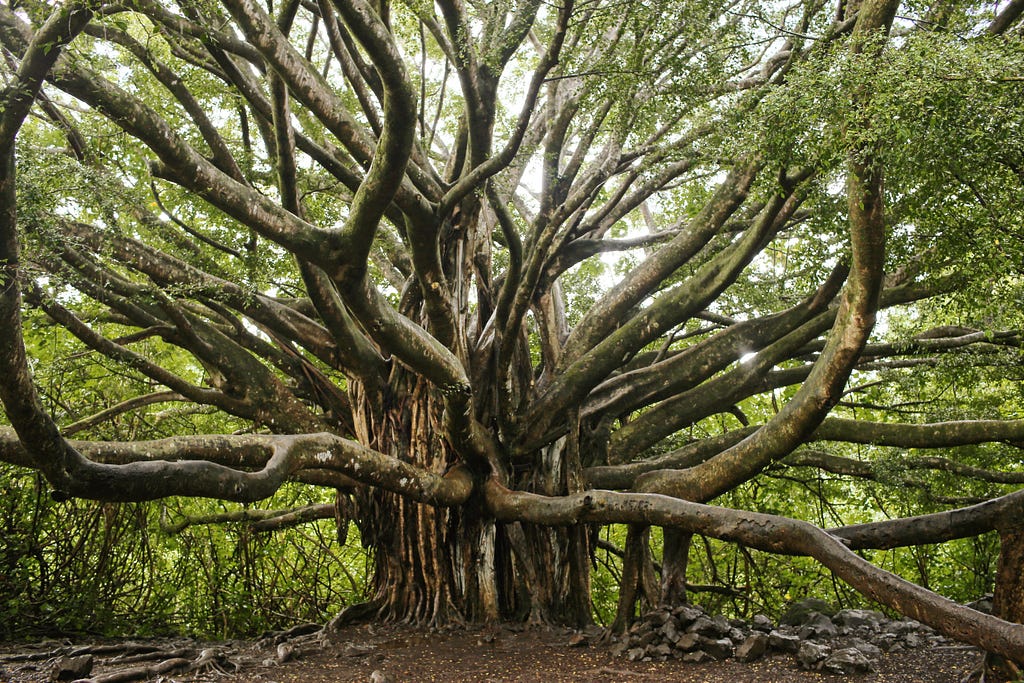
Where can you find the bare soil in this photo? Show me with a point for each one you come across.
(501, 653)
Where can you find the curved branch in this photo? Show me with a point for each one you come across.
(41, 54)
(602, 318)
(258, 520)
(671, 308)
(769, 533)
(241, 468)
(18, 394)
(472, 180)
(854, 322)
(689, 367)
(395, 144)
(753, 376)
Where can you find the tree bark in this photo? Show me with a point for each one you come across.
(432, 565)
(438, 565)
(675, 559)
(1008, 599)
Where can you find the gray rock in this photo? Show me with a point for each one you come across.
(661, 651)
(783, 642)
(71, 668)
(718, 649)
(285, 652)
(711, 628)
(902, 627)
(870, 650)
(982, 604)
(799, 612)
(846, 661)
(687, 642)
(885, 640)
(737, 635)
(754, 647)
(670, 630)
(379, 676)
(643, 639)
(818, 626)
(913, 640)
(687, 613)
(658, 617)
(838, 642)
(810, 654)
(858, 618)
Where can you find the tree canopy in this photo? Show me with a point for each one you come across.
(499, 273)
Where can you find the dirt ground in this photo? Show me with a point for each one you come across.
(392, 654)
(500, 654)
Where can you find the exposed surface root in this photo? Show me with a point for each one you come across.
(130, 661)
(993, 669)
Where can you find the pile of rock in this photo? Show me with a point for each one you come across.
(843, 642)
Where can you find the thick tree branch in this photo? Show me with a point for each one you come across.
(236, 468)
(769, 533)
(21, 402)
(855, 320)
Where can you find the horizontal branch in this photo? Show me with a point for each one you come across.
(241, 468)
(259, 520)
(933, 435)
(867, 469)
(770, 533)
(939, 527)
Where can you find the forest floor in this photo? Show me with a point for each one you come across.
(533, 655)
(393, 654)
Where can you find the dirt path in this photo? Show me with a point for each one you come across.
(500, 654)
(393, 654)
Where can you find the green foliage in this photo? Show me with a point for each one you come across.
(941, 109)
(109, 569)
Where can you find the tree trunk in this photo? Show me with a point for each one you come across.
(675, 558)
(432, 565)
(435, 565)
(1008, 600)
(638, 583)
